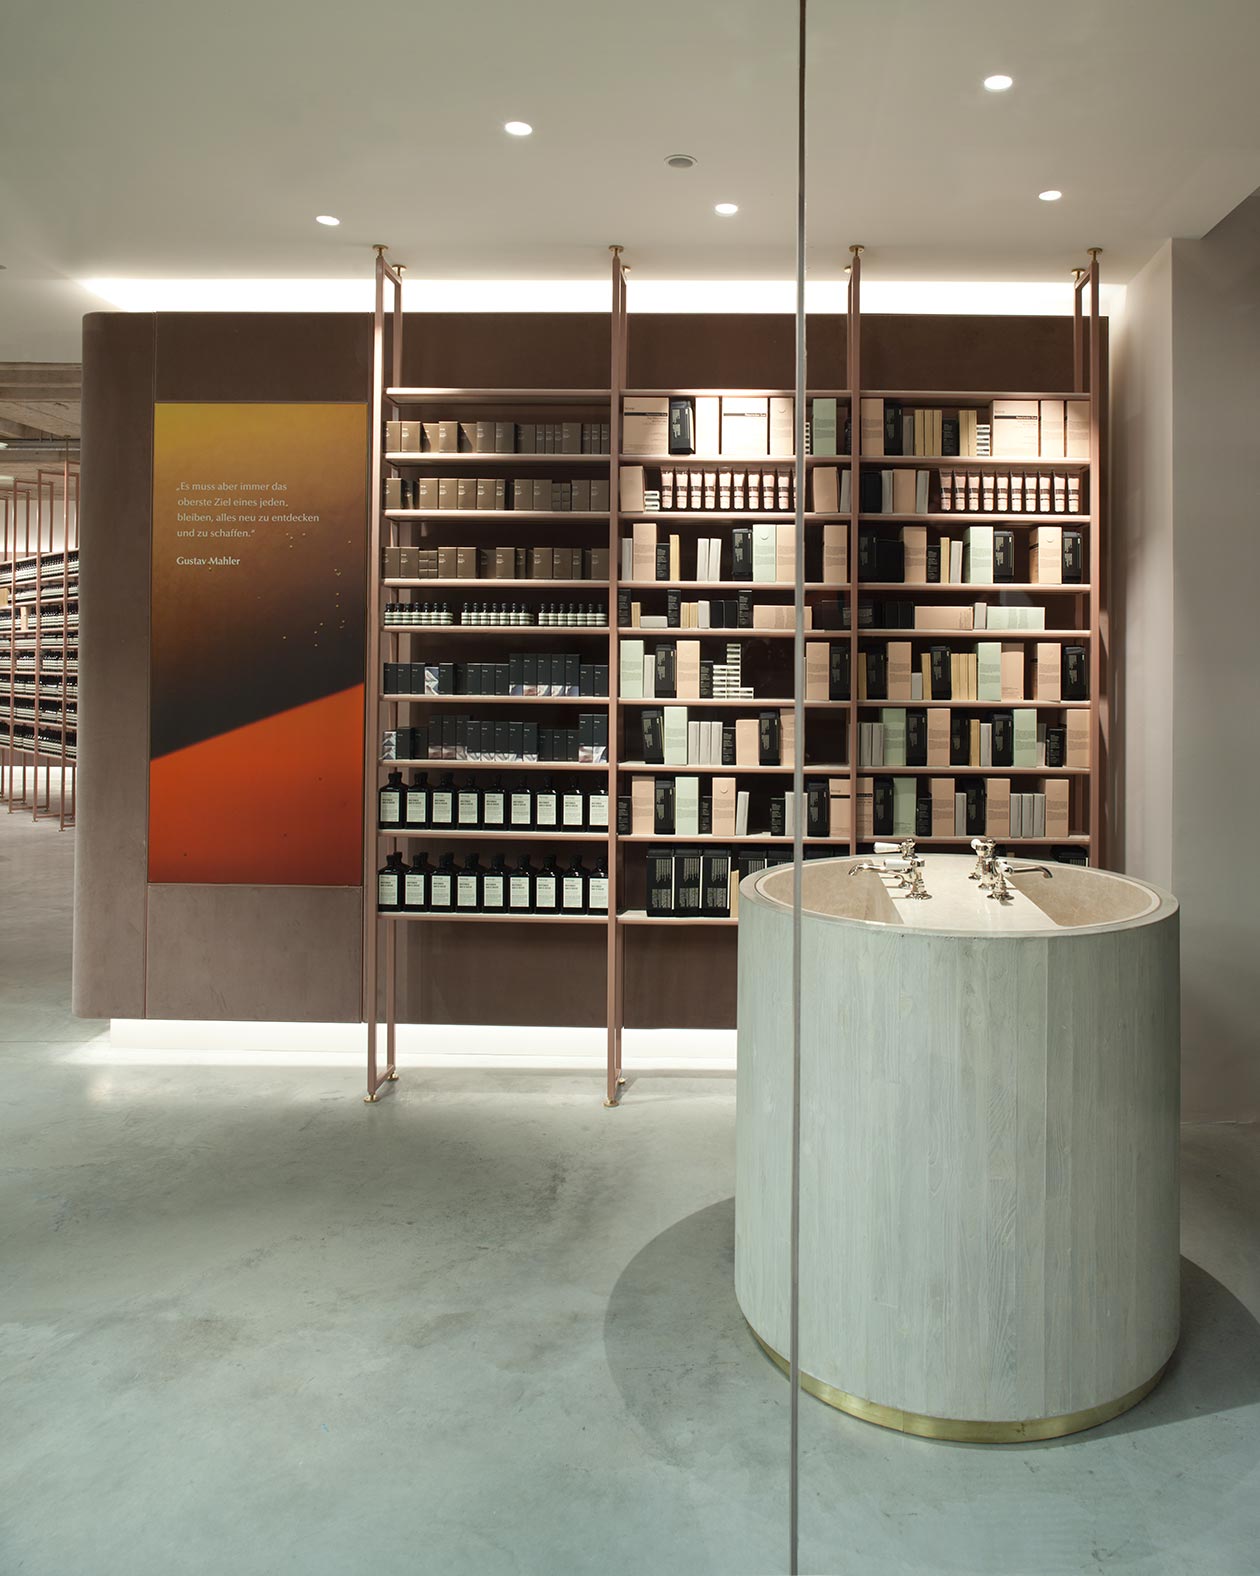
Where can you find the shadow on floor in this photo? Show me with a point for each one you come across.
(684, 1359)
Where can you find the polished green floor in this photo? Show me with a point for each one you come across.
(248, 1324)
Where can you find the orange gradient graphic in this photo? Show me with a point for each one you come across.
(267, 804)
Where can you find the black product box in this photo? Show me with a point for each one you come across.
(1003, 750)
(502, 678)
(960, 739)
(742, 552)
(941, 673)
(662, 560)
(450, 737)
(416, 681)
(393, 682)
(463, 727)
(623, 609)
(768, 738)
(601, 678)
(715, 883)
(923, 817)
(728, 744)
(468, 679)
(1056, 745)
(818, 809)
(975, 792)
(601, 736)
(660, 881)
(744, 619)
(706, 816)
(916, 738)
(666, 670)
(673, 609)
(586, 736)
(446, 679)
(838, 671)
(572, 674)
(778, 816)
(558, 674)
(586, 680)
(529, 673)
(706, 679)
(653, 725)
(502, 741)
(877, 673)
(625, 815)
(871, 492)
(1075, 674)
(934, 563)
(663, 807)
(529, 741)
(882, 806)
(516, 675)
(1003, 556)
(1073, 557)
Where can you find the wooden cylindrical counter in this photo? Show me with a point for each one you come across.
(989, 1127)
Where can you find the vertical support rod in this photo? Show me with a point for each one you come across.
(614, 938)
(1078, 333)
(798, 796)
(372, 664)
(854, 374)
(1097, 742)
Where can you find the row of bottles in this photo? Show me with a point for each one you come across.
(498, 615)
(472, 888)
(477, 805)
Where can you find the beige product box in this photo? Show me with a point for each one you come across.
(938, 735)
(504, 563)
(483, 437)
(708, 424)
(776, 615)
(485, 492)
(817, 670)
(782, 414)
(841, 808)
(393, 571)
(997, 807)
(1049, 675)
(724, 800)
(687, 670)
(409, 437)
(1056, 792)
(787, 734)
(596, 563)
(835, 564)
(872, 427)
(1078, 737)
(643, 561)
(826, 489)
(943, 806)
(571, 435)
(431, 437)
(504, 437)
(746, 741)
(393, 437)
(540, 564)
(914, 539)
(642, 806)
(448, 492)
(645, 424)
(1076, 430)
(1053, 429)
(468, 437)
(1012, 670)
(904, 486)
(448, 563)
(865, 807)
(949, 617)
(899, 670)
(631, 489)
(580, 494)
(540, 492)
(745, 426)
(785, 553)
(393, 500)
(466, 492)
(1045, 555)
(466, 563)
(1015, 430)
(447, 437)
(599, 497)
(418, 563)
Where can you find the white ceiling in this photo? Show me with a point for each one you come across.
(200, 139)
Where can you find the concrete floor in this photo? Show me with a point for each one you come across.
(249, 1324)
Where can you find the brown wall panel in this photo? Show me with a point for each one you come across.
(263, 356)
(110, 852)
(275, 954)
(567, 350)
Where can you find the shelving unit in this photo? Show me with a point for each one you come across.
(39, 643)
(1077, 612)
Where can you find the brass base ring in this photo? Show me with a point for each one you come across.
(968, 1431)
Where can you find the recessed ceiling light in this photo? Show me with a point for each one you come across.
(326, 218)
(1050, 196)
(518, 128)
(680, 161)
(999, 83)
(726, 209)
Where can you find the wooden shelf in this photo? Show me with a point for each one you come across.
(505, 768)
(466, 457)
(456, 918)
(500, 700)
(453, 396)
(986, 705)
(731, 585)
(1075, 838)
(524, 515)
(715, 516)
(485, 581)
(744, 840)
(734, 771)
(499, 834)
(735, 393)
(973, 771)
(975, 634)
(753, 703)
(676, 633)
(1038, 586)
(530, 631)
(711, 461)
(636, 916)
(959, 397)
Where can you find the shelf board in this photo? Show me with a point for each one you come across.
(485, 581)
(636, 916)
(530, 631)
(1056, 588)
(959, 396)
(712, 461)
(985, 705)
(973, 771)
(960, 517)
(499, 700)
(731, 585)
(455, 918)
(737, 393)
(717, 839)
(753, 703)
(692, 633)
(505, 768)
(465, 457)
(733, 771)
(713, 516)
(1078, 838)
(966, 462)
(975, 634)
(438, 515)
(401, 395)
(500, 834)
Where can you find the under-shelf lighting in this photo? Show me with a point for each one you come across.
(999, 83)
